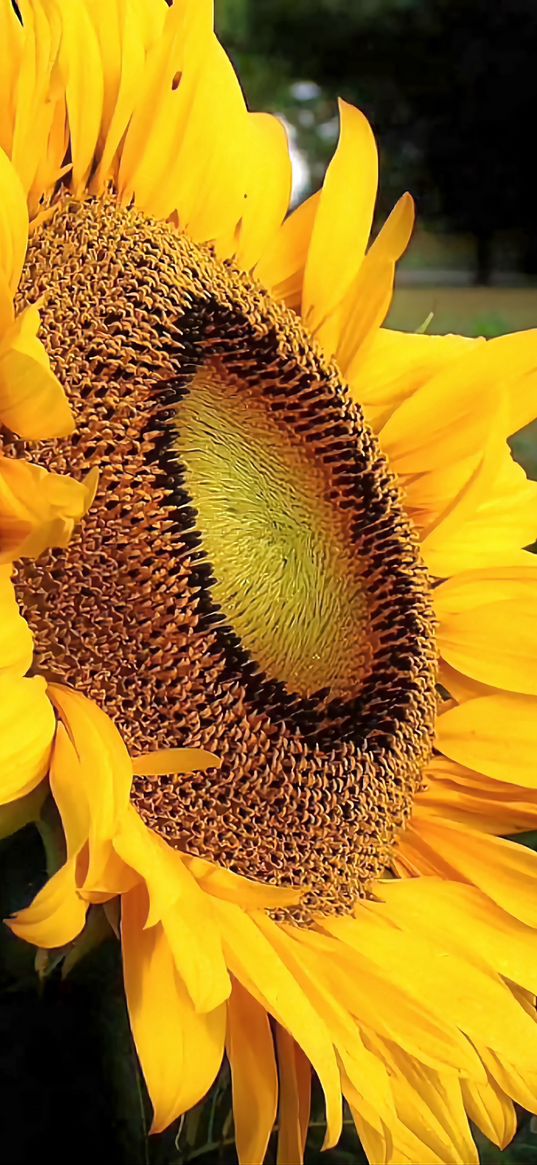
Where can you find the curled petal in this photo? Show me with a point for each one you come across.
(32, 401)
(56, 916)
(254, 1076)
(16, 643)
(27, 727)
(39, 509)
(180, 1051)
(343, 219)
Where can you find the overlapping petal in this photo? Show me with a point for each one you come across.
(32, 402)
(339, 239)
(254, 1076)
(39, 509)
(26, 734)
(487, 627)
(180, 1050)
(16, 644)
(494, 735)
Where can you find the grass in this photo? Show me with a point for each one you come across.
(471, 311)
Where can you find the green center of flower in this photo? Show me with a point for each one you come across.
(286, 575)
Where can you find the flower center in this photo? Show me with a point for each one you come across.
(287, 578)
(246, 580)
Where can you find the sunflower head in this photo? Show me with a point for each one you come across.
(246, 580)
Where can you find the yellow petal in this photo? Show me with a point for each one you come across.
(393, 365)
(254, 962)
(376, 1145)
(38, 509)
(125, 37)
(100, 874)
(13, 223)
(163, 869)
(488, 627)
(254, 1079)
(504, 870)
(12, 38)
(475, 927)
(195, 942)
(311, 959)
(16, 643)
(185, 148)
(522, 1086)
(343, 219)
(32, 401)
(208, 185)
(517, 353)
(494, 808)
(471, 999)
(269, 189)
(112, 876)
(295, 1099)
(491, 1110)
(29, 97)
(163, 100)
(387, 1004)
(180, 1051)
(461, 687)
(56, 915)
(82, 71)
(494, 584)
(26, 731)
(41, 137)
(67, 787)
(368, 300)
(234, 888)
(441, 423)
(495, 735)
(441, 768)
(413, 856)
(430, 1107)
(431, 495)
(488, 522)
(7, 311)
(166, 761)
(409, 1148)
(440, 528)
(281, 268)
(105, 768)
(445, 408)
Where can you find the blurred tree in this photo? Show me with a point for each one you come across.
(450, 86)
(469, 86)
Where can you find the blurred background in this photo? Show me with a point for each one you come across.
(450, 87)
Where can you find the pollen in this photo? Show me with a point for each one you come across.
(246, 580)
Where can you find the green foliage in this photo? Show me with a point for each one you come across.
(488, 325)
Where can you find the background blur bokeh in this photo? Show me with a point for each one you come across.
(450, 87)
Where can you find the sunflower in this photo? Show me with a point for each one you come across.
(268, 628)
